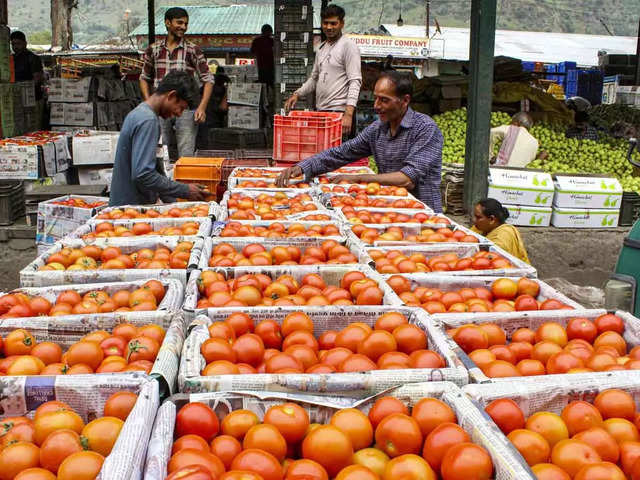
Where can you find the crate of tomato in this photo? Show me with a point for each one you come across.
(171, 227)
(60, 216)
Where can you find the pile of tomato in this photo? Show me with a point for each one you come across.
(279, 230)
(238, 346)
(395, 261)
(260, 173)
(78, 203)
(504, 295)
(268, 206)
(427, 235)
(580, 346)
(368, 188)
(92, 257)
(391, 442)
(261, 290)
(70, 302)
(201, 210)
(108, 230)
(369, 217)
(324, 179)
(364, 200)
(126, 348)
(587, 441)
(255, 254)
(57, 443)
(263, 184)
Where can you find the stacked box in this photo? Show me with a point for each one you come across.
(5, 53)
(38, 155)
(527, 194)
(586, 202)
(94, 148)
(246, 101)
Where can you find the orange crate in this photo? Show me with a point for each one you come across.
(212, 186)
(193, 168)
(302, 134)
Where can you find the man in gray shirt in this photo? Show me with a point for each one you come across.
(138, 176)
(336, 76)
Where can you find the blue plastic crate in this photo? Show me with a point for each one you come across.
(550, 68)
(563, 67)
(572, 75)
(571, 89)
(528, 66)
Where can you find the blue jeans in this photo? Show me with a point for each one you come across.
(182, 131)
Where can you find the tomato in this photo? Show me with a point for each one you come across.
(410, 338)
(249, 348)
(192, 472)
(549, 471)
(190, 441)
(533, 447)
(26, 365)
(306, 469)
(52, 421)
(226, 448)
(238, 423)
(241, 323)
(19, 342)
(113, 346)
(609, 322)
(581, 328)
(579, 416)
(506, 414)
(88, 353)
(296, 321)
(356, 425)
(142, 348)
(290, 419)
(438, 442)
(431, 412)
(356, 472)
(58, 446)
(466, 461)
(260, 462)
(189, 456)
(390, 320)
(17, 457)
(198, 419)
(410, 467)
(155, 332)
(266, 438)
(269, 332)
(329, 447)
(602, 441)
(572, 455)
(600, 471)
(385, 406)
(615, 403)
(35, 474)
(398, 434)
(102, 434)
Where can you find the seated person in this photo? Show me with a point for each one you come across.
(489, 220)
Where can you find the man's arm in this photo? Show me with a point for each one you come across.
(202, 67)
(147, 74)
(143, 165)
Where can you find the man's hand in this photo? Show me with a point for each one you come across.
(200, 115)
(543, 155)
(347, 178)
(291, 102)
(197, 193)
(283, 179)
(347, 124)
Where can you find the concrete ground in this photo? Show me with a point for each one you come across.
(583, 257)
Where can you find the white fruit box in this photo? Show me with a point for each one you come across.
(93, 176)
(587, 192)
(527, 216)
(584, 218)
(96, 148)
(245, 93)
(521, 187)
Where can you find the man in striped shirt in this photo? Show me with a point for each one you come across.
(175, 53)
(407, 146)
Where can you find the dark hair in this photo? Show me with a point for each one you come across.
(493, 208)
(266, 28)
(182, 83)
(175, 12)
(333, 11)
(18, 35)
(402, 82)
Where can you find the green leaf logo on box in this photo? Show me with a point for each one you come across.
(532, 220)
(536, 182)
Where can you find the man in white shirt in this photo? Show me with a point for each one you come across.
(519, 147)
(336, 76)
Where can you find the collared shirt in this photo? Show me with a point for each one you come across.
(185, 57)
(415, 150)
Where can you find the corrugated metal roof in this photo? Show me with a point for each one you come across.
(547, 47)
(223, 20)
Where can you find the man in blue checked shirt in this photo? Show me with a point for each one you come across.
(407, 146)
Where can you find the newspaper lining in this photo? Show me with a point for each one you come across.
(156, 224)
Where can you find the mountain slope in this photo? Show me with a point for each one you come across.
(98, 20)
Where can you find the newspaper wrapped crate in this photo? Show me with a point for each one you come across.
(290, 193)
(415, 229)
(520, 268)
(31, 276)
(87, 395)
(327, 197)
(320, 409)
(331, 274)
(215, 213)
(329, 318)
(513, 320)
(549, 394)
(204, 226)
(437, 220)
(57, 221)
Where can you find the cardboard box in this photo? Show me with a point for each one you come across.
(584, 218)
(587, 192)
(70, 90)
(244, 117)
(98, 148)
(95, 176)
(526, 216)
(245, 94)
(30, 162)
(521, 187)
(95, 114)
(57, 221)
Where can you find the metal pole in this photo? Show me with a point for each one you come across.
(637, 82)
(428, 16)
(151, 14)
(481, 50)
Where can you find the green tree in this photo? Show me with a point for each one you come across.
(42, 37)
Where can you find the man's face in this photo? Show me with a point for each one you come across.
(387, 105)
(177, 27)
(332, 27)
(172, 106)
(18, 46)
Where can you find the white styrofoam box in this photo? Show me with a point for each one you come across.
(587, 192)
(245, 93)
(521, 187)
(244, 117)
(584, 218)
(70, 90)
(628, 95)
(95, 176)
(97, 148)
(527, 216)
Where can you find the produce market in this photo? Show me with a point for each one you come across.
(310, 252)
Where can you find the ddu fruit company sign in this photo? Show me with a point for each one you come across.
(399, 47)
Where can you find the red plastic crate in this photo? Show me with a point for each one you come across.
(302, 134)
